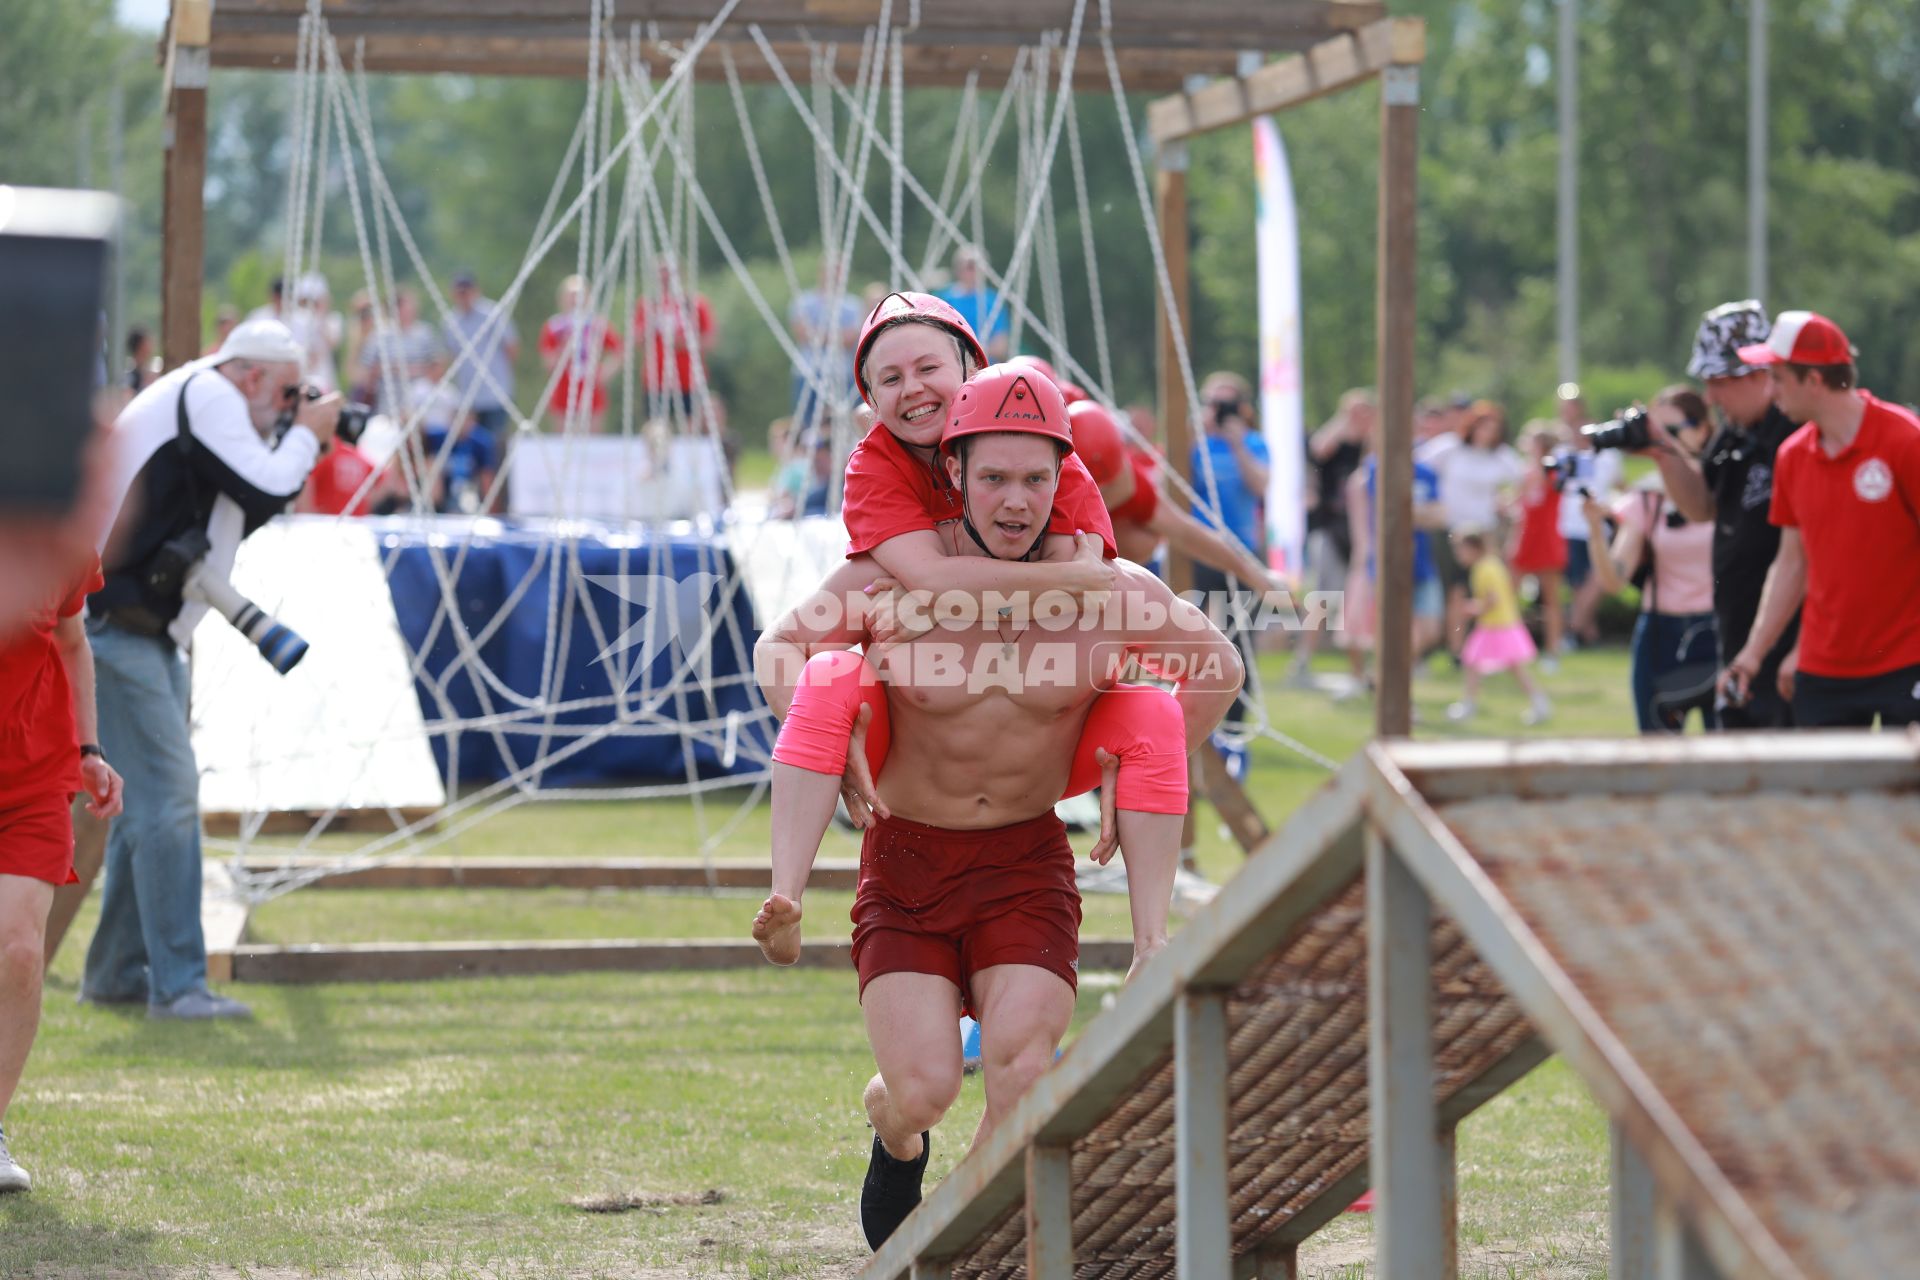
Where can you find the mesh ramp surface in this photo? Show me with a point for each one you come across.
(1298, 1122)
(1758, 958)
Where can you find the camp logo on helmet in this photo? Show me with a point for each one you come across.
(1020, 404)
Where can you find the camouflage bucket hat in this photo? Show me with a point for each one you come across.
(1723, 331)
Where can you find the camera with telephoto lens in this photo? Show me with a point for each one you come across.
(178, 571)
(1629, 431)
(1226, 409)
(347, 428)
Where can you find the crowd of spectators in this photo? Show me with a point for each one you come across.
(1776, 494)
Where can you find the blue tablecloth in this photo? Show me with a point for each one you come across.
(674, 592)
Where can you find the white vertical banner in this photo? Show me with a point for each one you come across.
(1281, 410)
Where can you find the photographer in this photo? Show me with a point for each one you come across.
(1731, 484)
(199, 460)
(1846, 496)
(1236, 453)
(1670, 559)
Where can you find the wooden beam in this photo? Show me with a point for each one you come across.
(1143, 70)
(1222, 26)
(416, 961)
(299, 822)
(183, 208)
(1230, 799)
(1395, 316)
(1329, 66)
(553, 873)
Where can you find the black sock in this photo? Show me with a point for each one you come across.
(891, 1190)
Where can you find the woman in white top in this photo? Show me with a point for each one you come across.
(1475, 479)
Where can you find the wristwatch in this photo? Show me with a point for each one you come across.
(91, 749)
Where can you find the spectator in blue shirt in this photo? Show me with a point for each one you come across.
(1237, 453)
(973, 298)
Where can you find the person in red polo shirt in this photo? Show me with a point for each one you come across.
(47, 755)
(1846, 495)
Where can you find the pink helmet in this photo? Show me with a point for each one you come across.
(1008, 397)
(1098, 440)
(912, 308)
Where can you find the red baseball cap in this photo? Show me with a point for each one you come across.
(1801, 337)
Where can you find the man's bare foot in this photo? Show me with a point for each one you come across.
(777, 929)
(907, 1146)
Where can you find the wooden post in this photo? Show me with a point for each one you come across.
(1170, 198)
(1631, 1256)
(1049, 1212)
(1203, 1225)
(1393, 506)
(1410, 1154)
(183, 211)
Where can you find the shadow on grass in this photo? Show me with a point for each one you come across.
(32, 1230)
(303, 1040)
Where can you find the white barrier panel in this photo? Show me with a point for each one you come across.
(616, 478)
(341, 729)
(783, 561)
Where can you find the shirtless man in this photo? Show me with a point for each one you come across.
(966, 897)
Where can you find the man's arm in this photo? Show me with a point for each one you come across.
(919, 562)
(1685, 482)
(1191, 538)
(230, 455)
(833, 617)
(1785, 588)
(1253, 469)
(76, 655)
(1172, 635)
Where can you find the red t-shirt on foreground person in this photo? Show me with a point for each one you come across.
(1859, 515)
(889, 492)
(39, 744)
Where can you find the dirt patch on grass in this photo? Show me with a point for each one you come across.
(651, 1201)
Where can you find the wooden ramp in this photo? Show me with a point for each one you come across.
(1719, 935)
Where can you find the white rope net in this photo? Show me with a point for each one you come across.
(626, 191)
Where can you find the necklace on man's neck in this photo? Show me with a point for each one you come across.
(1008, 647)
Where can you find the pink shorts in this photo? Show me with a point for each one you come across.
(1140, 724)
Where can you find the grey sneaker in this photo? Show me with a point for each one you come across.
(200, 1006)
(12, 1176)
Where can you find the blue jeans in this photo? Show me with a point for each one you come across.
(1675, 659)
(148, 943)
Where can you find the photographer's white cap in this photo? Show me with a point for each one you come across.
(263, 340)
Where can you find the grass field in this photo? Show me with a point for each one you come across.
(453, 1130)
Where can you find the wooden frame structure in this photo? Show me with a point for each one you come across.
(1705, 1186)
(1160, 44)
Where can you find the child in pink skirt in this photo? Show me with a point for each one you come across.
(1499, 641)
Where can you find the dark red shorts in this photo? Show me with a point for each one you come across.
(36, 839)
(952, 903)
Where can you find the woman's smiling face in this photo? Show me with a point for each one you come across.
(913, 372)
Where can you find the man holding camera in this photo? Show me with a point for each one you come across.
(1235, 453)
(199, 460)
(1732, 484)
(1846, 496)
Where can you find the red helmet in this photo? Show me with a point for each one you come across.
(916, 308)
(1098, 440)
(1072, 394)
(1008, 397)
